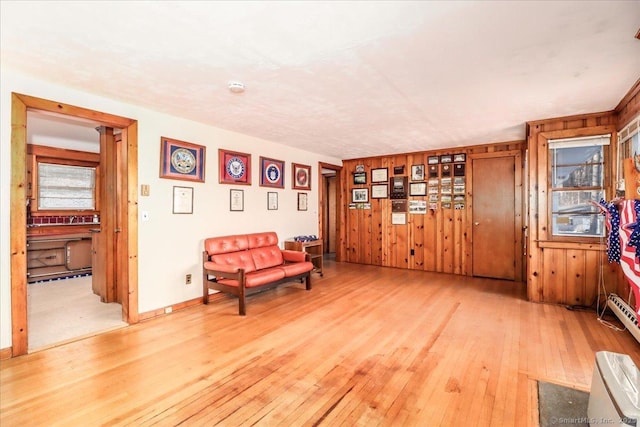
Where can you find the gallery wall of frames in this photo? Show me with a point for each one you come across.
(412, 210)
(185, 161)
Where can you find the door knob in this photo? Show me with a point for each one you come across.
(476, 223)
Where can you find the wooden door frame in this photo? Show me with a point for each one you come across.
(321, 202)
(20, 104)
(519, 251)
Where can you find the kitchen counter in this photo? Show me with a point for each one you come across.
(61, 229)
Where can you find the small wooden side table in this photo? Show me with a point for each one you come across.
(314, 248)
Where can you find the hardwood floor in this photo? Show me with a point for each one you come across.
(366, 346)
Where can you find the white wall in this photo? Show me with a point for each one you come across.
(170, 245)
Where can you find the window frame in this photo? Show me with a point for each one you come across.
(551, 190)
(41, 154)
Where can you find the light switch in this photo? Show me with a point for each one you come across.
(145, 190)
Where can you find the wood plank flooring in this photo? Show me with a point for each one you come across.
(366, 346)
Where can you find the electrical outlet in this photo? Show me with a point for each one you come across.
(168, 310)
(188, 279)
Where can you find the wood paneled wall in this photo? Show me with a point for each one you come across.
(565, 272)
(629, 106)
(440, 240)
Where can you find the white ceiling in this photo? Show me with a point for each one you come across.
(345, 79)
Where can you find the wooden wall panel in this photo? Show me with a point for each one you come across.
(440, 239)
(430, 238)
(554, 273)
(629, 106)
(575, 276)
(557, 272)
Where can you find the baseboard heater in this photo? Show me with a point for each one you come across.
(625, 313)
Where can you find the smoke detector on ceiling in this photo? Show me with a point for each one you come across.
(236, 86)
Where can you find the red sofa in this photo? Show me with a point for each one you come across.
(245, 264)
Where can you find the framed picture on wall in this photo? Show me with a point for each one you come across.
(460, 157)
(234, 167)
(379, 175)
(301, 176)
(181, 160)
(360, 178)
(182, 200)
(418, 189)
(379, 191)
(360, 195)
(417, 173)
(271, 173)
(302, 201)
(272, 201)
(236, 200)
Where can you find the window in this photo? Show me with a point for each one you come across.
(628, 147)
(577, 168)
(65, 187)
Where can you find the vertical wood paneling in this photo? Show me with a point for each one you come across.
(448, 241)
(441, 239)
(592, 275)
(430, 239)
(417, 228)
(554, 261)
(575, 277)
(541, 180)
(629, 106)
(18, 223)
(563, 273)
(458, 241)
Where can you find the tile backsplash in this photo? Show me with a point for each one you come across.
(62, 220)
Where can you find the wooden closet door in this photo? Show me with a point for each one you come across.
(494, 239)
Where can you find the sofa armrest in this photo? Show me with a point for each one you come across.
(220, 269)
(293, 256)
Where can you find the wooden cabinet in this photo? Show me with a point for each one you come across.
(57, 256)
(313, 248)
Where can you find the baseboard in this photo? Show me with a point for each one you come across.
(163, 311)
(6, 353)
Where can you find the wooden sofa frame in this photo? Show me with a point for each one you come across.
(241, 291)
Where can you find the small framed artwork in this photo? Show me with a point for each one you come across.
(360, 178)
(359, 168)
(379, 191)
(398, 218)
(446, 170)
(234, 167)
(182, 200)
(272, 201)
(458, 169)
(301, 176)
(418, 189)
(379, 175)
(181, 160)
(302, 201)
(398, 170)
(433, 171)
(433, 160)
(459, 158)
(417, 173)
(360, 195)
(446, 158)
(236, 200)
(398, 206)
(271, 173)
